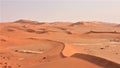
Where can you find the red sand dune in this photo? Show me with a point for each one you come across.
(31, 44)
(76, 60)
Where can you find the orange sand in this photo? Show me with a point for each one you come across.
(32, 44)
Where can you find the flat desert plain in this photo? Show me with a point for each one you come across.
(32, 44)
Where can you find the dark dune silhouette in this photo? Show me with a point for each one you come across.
(23, 21)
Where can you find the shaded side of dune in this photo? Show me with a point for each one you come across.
(97, 60)
(114, 32)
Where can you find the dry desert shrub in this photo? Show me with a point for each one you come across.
(30, 30)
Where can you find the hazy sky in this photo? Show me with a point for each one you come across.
(60, 10)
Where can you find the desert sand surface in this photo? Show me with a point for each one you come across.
(32, 44)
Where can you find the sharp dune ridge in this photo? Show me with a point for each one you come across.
(85, 44)
(93, 59)
(103, 63)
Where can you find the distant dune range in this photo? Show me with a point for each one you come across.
(32, 44)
